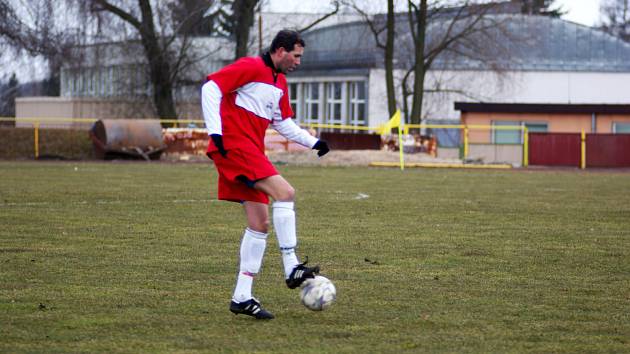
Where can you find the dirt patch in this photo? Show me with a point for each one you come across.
(350, 158)
(333, 158)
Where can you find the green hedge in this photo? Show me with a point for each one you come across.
(18, 143)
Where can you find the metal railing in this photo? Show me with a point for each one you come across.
(37, 122)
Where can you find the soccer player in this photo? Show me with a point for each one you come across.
(239, 102)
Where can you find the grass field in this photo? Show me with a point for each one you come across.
(138, 257)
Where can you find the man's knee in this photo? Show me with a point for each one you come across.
(287, 194)
(259, 225)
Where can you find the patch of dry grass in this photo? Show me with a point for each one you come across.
(138, 257)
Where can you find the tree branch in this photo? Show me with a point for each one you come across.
(319, 20)
(127, 17)
(371, 24)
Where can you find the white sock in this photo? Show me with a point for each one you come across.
(243, 289)
(252, 252)
(284, 224)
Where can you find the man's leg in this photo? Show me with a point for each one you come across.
(251, 252)
(284, 224)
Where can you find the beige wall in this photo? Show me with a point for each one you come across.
(55, 108)
(556, 123)
(605, 121)
(510, 154)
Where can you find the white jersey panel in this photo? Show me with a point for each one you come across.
(259, 98)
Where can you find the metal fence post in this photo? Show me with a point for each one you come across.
(36, 132)
(583, 150)
(525, 147)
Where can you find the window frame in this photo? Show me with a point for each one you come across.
(515, 132)
(295, 100)
(332, 102)
(625, 129)
(356, 102)
(305, 103)
(310, 102)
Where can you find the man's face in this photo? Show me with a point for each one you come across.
(289, 61)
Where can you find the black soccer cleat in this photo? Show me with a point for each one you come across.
(250, 307)
(300, 273)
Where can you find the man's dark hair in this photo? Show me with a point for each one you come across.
(286, 39)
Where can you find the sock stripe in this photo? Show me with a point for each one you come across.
(283, 205)
(256, 234)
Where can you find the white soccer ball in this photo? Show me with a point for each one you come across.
(318, 293)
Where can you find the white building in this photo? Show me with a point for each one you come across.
(342, 77)
(544, 60)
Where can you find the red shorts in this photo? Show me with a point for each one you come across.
(252, 164)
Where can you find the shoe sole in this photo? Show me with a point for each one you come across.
(238, 312)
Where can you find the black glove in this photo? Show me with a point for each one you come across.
(322, 148)
(217, 139)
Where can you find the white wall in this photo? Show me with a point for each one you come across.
(574, 87)
(506, 87)
(377, 98)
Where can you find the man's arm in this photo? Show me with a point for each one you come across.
(211, 109)
(291, 131)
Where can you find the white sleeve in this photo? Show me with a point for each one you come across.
(291, 131)
(211, 107)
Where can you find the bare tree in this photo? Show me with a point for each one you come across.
(436, 31)
(323, 18)
(236, 18)
(616, 18)
(8, 93)
(33, 28)
(377, 26)
(244, 13)
(541, 7)
(160, 49)
(439, 31)
(163, 28)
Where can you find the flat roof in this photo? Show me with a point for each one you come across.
(542, 108)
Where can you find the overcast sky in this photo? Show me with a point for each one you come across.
(585, 12)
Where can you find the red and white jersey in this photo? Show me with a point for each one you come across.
(252, 96)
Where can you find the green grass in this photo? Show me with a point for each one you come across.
(138, 257)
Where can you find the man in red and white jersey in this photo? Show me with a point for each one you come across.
(239, 102)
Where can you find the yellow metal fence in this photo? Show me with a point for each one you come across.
(37, 123)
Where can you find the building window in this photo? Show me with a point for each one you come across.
(515, 136)
(312, 102)
(108, 81)
(93, 82)
(294, 100)
(621, 128)
(536, 127)
(139, 83)
(335, 103)
(78, 79)
(72, 78)
(330, 102)
(357, 103)
(506, 136)
(99, 82)
(66, 87)
(85, 83)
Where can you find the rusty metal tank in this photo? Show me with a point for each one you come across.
(127, 139)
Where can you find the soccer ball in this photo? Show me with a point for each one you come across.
(318, 293)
